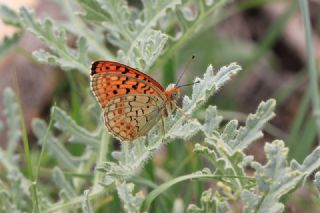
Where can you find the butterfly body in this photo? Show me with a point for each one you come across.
(132, 101)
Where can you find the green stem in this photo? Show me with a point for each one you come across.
(27, 149)
(313, 75)
(101, 158)
(160, 189)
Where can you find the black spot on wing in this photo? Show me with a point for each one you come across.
(94, 67)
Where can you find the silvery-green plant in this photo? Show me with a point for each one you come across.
(143, 39)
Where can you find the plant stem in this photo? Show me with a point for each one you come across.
(314, 87)
(101, 158)
(26, 148)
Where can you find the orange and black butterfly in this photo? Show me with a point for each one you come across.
(132, 101)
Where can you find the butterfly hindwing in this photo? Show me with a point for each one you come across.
(130, 116)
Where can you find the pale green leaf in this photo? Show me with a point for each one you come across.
(316, 182)
(208, 85)
(94, 36)
(212, 120)
(249, 200)
(77, 133)
(93, 12)
(54, 147)
(273, 180)
(254, 123)
(209, 202)
(131, 203)
(11, 112)
(8, 43)
(145, 34)
(9, 16)
(63, 184)
(146, 50)
(55, 38)
(230, 131)
(86, 204)
(311, 163)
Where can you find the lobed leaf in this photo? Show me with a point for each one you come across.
(131, 203)
(62, 55)
(209, 202)
(8, 43)
(273, 180)
(77, 133)
(145, 51)
(254, 123)
(207, 86)
(55, 148)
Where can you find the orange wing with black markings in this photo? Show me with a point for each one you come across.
(132, 101)
(111, 79)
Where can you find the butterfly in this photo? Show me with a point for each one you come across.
(132, 101)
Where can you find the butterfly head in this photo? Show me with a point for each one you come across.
(173, 93)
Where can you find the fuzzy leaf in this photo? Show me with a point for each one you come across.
(230, 131)
(212, 121)
(207, 86)
(131, 203)
(274, 180)
(86, 205)
(9, 43)
(94, 36)
(130, 161)
(62, 55)
(249, 200)
(146, 50)
(254, 123)
(64, 185)
(17, 197)
(317, 183)
(93, 11)
(191, 18)
(311, 163)
(77, 133)
(54, 147)
(147, 43)
(209, 203)
(186, 130)
(11, 112)
(223, 163)
(9, 16)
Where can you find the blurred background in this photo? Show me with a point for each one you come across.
(267, 38)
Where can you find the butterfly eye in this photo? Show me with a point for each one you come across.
(174, 95)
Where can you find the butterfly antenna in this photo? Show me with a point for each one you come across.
(185, 69)
(183, 85)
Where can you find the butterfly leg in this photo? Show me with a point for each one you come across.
(163, 128)
(189, 117)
